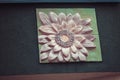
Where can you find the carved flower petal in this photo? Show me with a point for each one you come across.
(52, 43)
(84, 51)
(80, 38)
(74, 55)
(86, 30)
(53, 17)
(43, 56)
(73, 48)
(44, 18)
(69, 17)
(62, 17)
(86, 21)
(44, 48)
(57, 48)
(66, 51)
(60, 57)
(71, 25)
(77, 18)
(88, 44)
(90, 37)
(67, 58)
(42, 36)
(77, 29)
(82, 57)
(77, 44)
(64, 25)
(41, 39)
(51, 37)
(52, 56)
(54, 26)
(46, 29)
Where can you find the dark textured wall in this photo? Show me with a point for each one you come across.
(59, 1)
(18, 40)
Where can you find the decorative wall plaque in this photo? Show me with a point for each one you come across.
(68, 35)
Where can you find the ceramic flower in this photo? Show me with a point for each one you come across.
(64, 38)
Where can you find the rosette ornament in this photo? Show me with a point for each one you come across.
(64, 38)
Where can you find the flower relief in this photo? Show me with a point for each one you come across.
(64, 38)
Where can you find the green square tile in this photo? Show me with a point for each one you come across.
(95, 54)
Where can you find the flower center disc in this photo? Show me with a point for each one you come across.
(64, 38)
